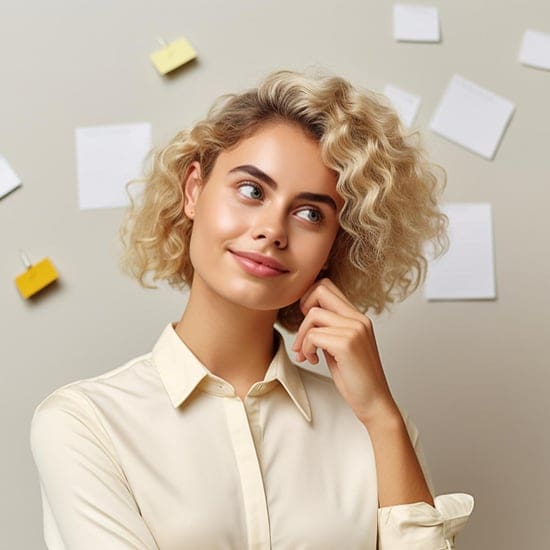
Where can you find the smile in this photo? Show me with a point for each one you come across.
(256, 268)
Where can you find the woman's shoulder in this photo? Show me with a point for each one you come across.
(320, 388)
(312, 375)
(81, 412)
(319, 383)
(77, 395)
(315, 380)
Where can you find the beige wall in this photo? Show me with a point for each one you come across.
(473, 375)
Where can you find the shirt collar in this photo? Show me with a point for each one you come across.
(181, 372)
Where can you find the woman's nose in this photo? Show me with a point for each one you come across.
(270, 226)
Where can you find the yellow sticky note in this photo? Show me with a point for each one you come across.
(36, 278)
(173, 55)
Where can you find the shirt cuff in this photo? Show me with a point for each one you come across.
(420, 526)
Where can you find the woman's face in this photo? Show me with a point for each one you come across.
(271, 195)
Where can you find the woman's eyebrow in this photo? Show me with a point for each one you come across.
(255, 172)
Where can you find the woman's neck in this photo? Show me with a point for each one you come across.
(235, 343)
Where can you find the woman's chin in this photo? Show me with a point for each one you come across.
(261, 305)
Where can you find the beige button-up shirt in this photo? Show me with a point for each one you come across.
(160, 453)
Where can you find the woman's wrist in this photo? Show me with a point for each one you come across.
(384, 414)
(400, 476)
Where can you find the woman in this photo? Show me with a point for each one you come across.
(300, 203)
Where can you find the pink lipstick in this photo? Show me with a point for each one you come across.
(254, 264)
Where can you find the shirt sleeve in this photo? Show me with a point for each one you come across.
(420, 526)
(87, 502)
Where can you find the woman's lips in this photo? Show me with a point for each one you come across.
(255, 268)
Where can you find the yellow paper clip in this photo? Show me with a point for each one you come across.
(36, 277)
(173, 55)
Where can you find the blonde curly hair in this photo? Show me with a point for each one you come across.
(390, 189)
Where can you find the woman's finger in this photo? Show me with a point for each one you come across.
(318, 317)
(325, 297)
(331, 340)
(323, 285)
(308, 348)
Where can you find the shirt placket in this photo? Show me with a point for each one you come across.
(255, 504)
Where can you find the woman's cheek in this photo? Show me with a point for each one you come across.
(225, 218)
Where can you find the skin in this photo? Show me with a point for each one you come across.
(236, 209)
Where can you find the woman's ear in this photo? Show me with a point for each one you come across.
(191, 188)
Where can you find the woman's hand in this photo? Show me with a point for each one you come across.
(346, 337)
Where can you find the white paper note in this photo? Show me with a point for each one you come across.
(414, 23)
(466, 271)
(9, 180)
(472, 116)
(405, 103)
(107, 158)
(535, 49)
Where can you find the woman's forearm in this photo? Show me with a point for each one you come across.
(400, 476)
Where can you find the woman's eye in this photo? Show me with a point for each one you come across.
(313, 215)
(251, 190)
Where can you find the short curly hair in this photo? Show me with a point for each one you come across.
(390, 189)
